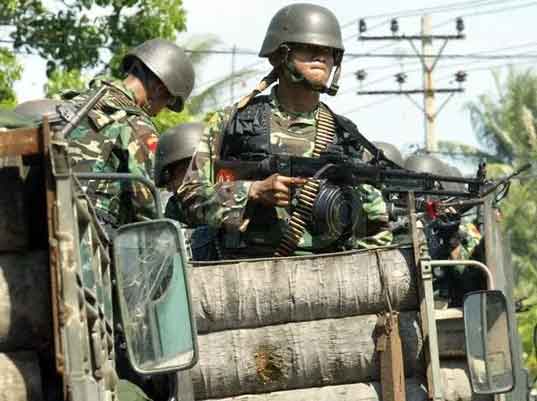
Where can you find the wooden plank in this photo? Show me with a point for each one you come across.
(20, 378)
(454, 378)
(266, 292)
(23, 141)
(25, 315)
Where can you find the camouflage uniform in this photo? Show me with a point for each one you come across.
(225, 205)
(117, 137)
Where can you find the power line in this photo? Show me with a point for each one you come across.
(369, 105)
(430, 10)
(469, 56)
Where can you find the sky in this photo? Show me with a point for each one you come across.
(492, 27)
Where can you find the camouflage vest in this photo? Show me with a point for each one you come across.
(247, 137)
(247, 134)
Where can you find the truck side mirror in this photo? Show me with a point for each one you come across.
(154, 298)
(488, 342)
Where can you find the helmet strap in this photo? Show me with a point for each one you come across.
(261, 86)
(297, 77)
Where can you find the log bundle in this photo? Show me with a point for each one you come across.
(304, 354)
(456, 387)
(304, 329)
(24, 301)
(13, 229)
(20, 378)
(266, 292)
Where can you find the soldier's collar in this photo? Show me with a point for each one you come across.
(275, 103)
(114, 83)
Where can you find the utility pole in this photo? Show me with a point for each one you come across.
(429, 103)
(233, 67)
(429, 58)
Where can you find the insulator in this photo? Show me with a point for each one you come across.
(460, 76)
(360, 75)
(394, 26)
(400, 78)
(459, 25)
(362, 26)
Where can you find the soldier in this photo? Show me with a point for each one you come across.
(119, 136)
(173, 156)
(455, 239)
(303, 44)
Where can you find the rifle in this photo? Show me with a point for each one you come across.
(342, 170)
(331, 207)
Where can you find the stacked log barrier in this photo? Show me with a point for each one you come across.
(285, 328)
(20, 378)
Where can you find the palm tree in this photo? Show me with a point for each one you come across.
(207, 95)
(505, 126)
(210, 93)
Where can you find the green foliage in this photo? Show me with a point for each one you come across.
(85, 32)
(61, 80)
(167, 119)
(506, 125)
(210, 94)
(10, 71)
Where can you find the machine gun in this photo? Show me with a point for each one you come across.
(334, 208)
(344, 171)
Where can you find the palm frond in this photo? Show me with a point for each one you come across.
(213, 91)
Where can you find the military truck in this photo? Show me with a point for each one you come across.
(82, 317)
(358, 325)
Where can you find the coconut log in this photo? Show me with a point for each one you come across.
(20, 378)
(265, 292)
(13, 230)
(25, 315)
(301, 355)
(456, 387)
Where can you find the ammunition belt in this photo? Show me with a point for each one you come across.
(301, 215)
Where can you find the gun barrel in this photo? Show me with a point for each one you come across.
(82, 112)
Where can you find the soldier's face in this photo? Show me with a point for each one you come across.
(159, 98)
(315, 63)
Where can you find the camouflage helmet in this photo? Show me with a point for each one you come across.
(175, 144)
(169, 63)
(453, 172)
(425, 164)
(391, 152)
(38, 108)
(303, 23)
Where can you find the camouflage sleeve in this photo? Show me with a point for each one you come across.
(376, 232)
(204, 200)
(468, 238)
(138, 138)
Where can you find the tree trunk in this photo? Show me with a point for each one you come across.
(454, 379)
(258, 293)
(20, 379)
(25, 314)
(301, 355)
(13, 229)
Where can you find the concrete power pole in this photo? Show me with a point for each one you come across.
(429, 101)
(429, 57)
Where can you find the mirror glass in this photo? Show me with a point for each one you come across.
(488, 344)
(154, 299)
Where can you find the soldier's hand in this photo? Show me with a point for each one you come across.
(274, 190)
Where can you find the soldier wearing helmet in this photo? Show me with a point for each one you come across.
(174, 153)
(119, 136)
(304, 47)
(449, 238)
